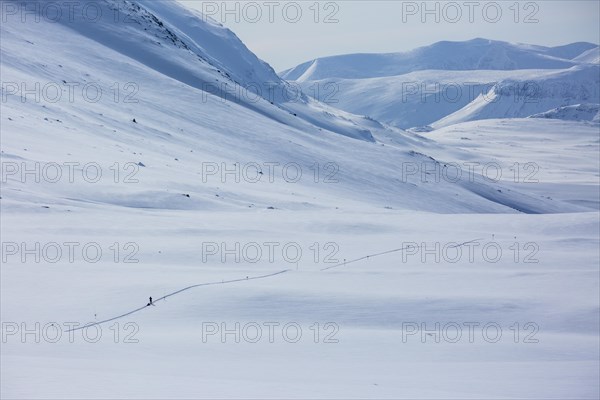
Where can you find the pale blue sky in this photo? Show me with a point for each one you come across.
(391, 26)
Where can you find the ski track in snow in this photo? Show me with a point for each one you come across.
(392, 251)
(195, 108)
(177, 292)
(257, 277)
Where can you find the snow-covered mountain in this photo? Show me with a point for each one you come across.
(203, 54)
(523, 97)
(410, 100)
(592, 56)
(578, 112)
(419, 88)
(167, 51)
(130, 142)
(476, 54)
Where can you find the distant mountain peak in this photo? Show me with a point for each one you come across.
(474, 54)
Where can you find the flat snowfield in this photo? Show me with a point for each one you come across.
(473, 324)
(165, 235)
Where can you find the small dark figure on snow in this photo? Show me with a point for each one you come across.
(134, 121)
(150, 303)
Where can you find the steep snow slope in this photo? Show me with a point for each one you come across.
(153, 207)
(415, 99)
(514, 98)
(418, 88)
(457, 56)
(177, 137)
(200, 53)
(591, 56)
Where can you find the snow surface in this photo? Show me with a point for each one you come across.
(418, 98)
(578, 112)
(592, 56)
(171, 54)
(572, 177)
(462, 81)
(518, 98)
(476, 54)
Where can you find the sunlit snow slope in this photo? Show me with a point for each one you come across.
(162, 72)
(171, 134)
(462, 81)
(476, 54)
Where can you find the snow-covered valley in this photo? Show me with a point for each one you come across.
(322, 254)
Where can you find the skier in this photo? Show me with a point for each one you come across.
(150, 303)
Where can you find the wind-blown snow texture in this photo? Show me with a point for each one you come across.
(200, 96)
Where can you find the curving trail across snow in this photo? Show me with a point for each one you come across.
(177, 292)
(254, 278)
(391, 251)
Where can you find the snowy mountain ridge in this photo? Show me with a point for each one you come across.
(170, 207)
(431, 84)
(520, 98)
(577, 112)
(193, 49)
(476, 54)
(199, 126)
